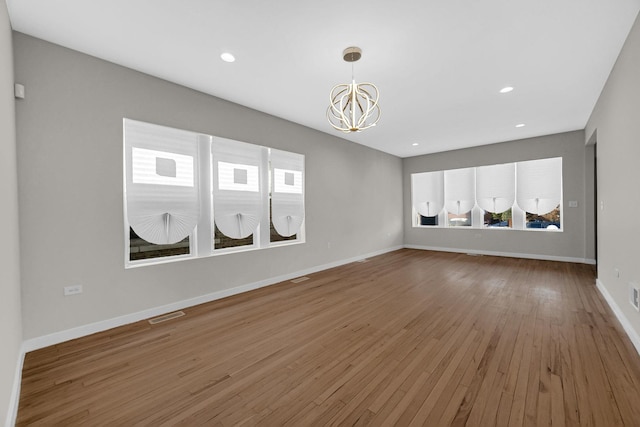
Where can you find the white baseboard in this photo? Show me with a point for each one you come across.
(92, 328)
(14, 400)
(626, 325)
(504, 254)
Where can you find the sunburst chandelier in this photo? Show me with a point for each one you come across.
(353, 107)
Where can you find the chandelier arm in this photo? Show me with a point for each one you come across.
(336, 127)
(336, 99)
(364, 117)
(354, 99)
(364, 112)
(375, 91)
(360, 106)
(343, 107)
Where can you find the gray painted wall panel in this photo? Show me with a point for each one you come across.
(10, 317)
(615, 126)
(70, 171)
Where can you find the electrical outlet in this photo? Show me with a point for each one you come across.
(634, 295)
(616, 273)
(72, 290)
(573, 203)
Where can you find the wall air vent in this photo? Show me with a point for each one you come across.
(166, 317)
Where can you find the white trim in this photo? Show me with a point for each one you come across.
(504, 254)
(84, 330)
(14, 399)
(626, 325)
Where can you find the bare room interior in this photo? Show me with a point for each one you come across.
(364, 213)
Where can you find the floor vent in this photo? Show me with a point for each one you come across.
(300, 279)
(470, 254)
(166, 317)
(363, 260)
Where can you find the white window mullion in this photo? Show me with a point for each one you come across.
(518, 218)
(205, 226)
(264, 229)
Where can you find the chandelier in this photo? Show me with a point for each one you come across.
(353, 107)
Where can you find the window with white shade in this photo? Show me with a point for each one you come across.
(496, 193)
(162, 197)
(522, 195)
(238, 192)
(287, 197)
(539, 192)
(427, 190)
(459, 196)
(191, 195)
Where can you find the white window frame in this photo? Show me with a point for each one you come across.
(201, 240)
(477, 214)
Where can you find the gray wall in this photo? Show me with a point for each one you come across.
(70, 173)
(574, 243)
(615, 125)
(10, 317)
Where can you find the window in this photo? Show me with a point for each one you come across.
(459, 220)
(140, 249)
(287, 201)
(427, 191)
(523, 195)
(502, 219)
(192, 195)
(540, 192)
(428, 220)
(238, 192)
(496, 193)
(459, 196)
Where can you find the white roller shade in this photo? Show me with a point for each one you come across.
(237, 187)
(287, 192)
(427, 192)
(459, 190)
(163, 205)
(539, 185)
(496, 187)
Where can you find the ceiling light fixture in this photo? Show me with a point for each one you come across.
(520, 125)
(415, 144)
(353, 107)
(227, 57)
(506, 89)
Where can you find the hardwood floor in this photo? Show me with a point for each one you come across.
(408, 338)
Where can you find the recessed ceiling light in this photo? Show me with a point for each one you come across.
(227, 57)
(415, 143)
(506, 89)
(520, 125)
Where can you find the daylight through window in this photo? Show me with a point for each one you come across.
(519, 196)
(193, 195)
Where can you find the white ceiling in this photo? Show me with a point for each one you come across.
(439, 64)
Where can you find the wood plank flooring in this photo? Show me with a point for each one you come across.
(409, 338)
